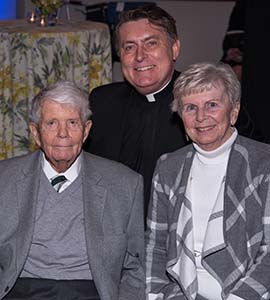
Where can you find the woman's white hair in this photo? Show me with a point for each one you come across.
(64, 92)
(202, 77)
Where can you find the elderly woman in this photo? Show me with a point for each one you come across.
(208, 233)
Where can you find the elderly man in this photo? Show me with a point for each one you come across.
(133, 122)
(71, 223)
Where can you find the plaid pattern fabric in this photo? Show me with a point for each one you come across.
(240, 262)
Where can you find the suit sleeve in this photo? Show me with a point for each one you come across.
(158, 284)
(132, 286)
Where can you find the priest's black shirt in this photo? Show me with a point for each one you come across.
(129, 129)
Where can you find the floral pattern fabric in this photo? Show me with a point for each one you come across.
(31, 57)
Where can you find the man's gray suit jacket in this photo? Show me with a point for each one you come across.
(113, 210)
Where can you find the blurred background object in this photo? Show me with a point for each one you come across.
(233, 43)
(8, 9)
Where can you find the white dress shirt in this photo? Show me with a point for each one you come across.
(71, 173)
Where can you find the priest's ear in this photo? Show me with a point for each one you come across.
(175, 49)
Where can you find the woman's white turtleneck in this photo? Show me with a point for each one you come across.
(206, 183)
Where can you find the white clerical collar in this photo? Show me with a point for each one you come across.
(220, 150)
(151, 97)
(71, 173)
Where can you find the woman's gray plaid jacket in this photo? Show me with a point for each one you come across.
(241, 260)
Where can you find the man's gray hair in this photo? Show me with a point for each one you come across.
(202, 77)
(154, 14)
(63, 92)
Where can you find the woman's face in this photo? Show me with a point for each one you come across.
(208, 117)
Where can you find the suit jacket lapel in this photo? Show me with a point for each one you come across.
(94, 197)
(27, 193)
(185, 268)
(214, 237)
(181, 261)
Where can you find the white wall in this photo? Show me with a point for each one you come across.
(201, 27)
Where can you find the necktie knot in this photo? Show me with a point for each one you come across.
(58, 181)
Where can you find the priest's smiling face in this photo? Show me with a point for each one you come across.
(147, 55)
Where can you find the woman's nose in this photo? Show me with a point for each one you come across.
(200, 114)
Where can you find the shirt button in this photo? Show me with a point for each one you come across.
(197, 253)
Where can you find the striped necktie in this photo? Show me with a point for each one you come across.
(58, 181)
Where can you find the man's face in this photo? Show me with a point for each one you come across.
(147, 55)
(60, 134)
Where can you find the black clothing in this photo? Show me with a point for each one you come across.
(130, 129)
(248, 30)
(256, 67)
(49, 289)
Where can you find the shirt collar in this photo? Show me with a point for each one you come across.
(151, 97)
(71, 173)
